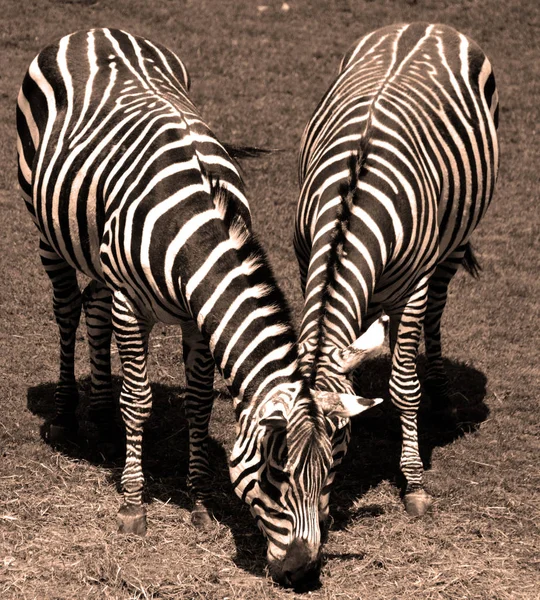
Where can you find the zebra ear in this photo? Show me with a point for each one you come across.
(370, 341)
(274, 417)
(343, 405)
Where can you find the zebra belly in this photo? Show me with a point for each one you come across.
(75, 228)
(72, 230)
(141, 289)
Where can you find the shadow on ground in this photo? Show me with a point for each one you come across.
(375, 447)
(373, 454)
(165, 459)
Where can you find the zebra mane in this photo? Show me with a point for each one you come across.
(348, 192)
(226, 205)
(248, 248)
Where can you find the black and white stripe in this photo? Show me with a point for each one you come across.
(397, 168)
(128, 185)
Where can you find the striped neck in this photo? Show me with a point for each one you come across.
(348, 256)
(242, 312)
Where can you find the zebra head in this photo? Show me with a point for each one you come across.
(282, 467)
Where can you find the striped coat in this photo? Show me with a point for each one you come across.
(129, 186)
(397, 168)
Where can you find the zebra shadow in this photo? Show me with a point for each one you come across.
(165, 445)
(165, 460)
(375, 447)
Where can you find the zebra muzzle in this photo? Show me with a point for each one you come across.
(300, 568)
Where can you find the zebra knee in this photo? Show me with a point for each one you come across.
(405, 393)
(135, 406)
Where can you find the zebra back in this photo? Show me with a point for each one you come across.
(398, 166)
(417, 108)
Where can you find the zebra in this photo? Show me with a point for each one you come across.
(397, 167)
(128, 186)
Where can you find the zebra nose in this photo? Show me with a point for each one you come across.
(301, 565)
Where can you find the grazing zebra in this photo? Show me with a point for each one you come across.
(127, 185)
(397, 168)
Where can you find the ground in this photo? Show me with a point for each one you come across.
(258, 70)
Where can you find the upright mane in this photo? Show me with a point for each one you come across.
(348, 192)
(249, 248)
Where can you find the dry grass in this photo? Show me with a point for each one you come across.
(257, 76)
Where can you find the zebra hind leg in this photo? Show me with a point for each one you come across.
(405, 333)
(199, 399)
(67, 301)
(97, 303)
(131, 332)
(436, 383)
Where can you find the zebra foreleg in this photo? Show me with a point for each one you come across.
(67, 302)
(405, 333)
(131, 332)
(436, 383)
(199, 399)
(97, 302)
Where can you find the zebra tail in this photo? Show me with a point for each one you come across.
(242, 152)
(470, 262)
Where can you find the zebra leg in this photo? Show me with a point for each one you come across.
(131, 332)
(97, 302)
(405, 333)
(67, 302)
(199, 399)
(436, 383)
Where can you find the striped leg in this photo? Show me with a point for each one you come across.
(405, 333)
(131, 332)
(199, 399)
(97, 301)
(67, 302)
(340, 443)
(436, 383)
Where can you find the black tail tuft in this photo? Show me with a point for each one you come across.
(470, 262)
(241, 152)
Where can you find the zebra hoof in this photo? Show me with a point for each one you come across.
(200, 516)
(446, 418)
(105, 437)
(131, 519)
(447, 414)
(109, 450)
(417, 503)
(63, 432)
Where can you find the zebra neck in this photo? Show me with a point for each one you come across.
(347, 260)
(243, 315)
(282, 397)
